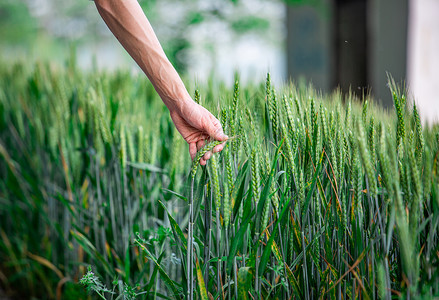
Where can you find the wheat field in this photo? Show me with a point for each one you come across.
(315, 196)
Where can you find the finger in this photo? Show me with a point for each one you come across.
(218, 148)
(203, 162)
(192, 150)
(207, 155)
(215, 130)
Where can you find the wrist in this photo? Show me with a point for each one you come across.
(178, 102)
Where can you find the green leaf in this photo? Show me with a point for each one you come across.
(91, 250)
(238, 194)
(267, 250)
(264, 195)
(152, 281)
(293, 281)
(180, 196)
(127, 264)
(237, 241)
(178, 233)
(168, 281)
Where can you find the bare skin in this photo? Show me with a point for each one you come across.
(125, 18)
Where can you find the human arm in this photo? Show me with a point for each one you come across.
(130, 26)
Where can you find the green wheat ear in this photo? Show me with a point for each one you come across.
(197, 97)
(366, 159)
(130, 145)
(146, 157)
(364, 113)
(101, 125)
(288, 112)
(372, 140)
(265, 215)
(273, 113)
(223, 119)
(298, 108)
(348, 116)
(324, 122)
(417, 184)
(385, 164)
(420, 143)
(123, 147)
(357, 185)
(235, 100)
(252, 123)
(268, 88)
(399, 102)
(245, 143)
(208, 147)
(313, 114)
(289, 152)
(255, 178)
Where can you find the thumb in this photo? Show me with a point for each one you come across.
(215, 130)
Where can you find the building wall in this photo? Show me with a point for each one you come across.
(387, 20)
(423, 57)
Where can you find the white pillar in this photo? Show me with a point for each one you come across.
(423, 57)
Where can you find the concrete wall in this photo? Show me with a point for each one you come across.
(387, 46)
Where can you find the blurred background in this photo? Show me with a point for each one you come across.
(349, 44)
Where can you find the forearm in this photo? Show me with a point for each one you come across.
(129, 24)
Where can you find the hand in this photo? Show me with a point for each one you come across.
(131, 27)
(197, 125)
